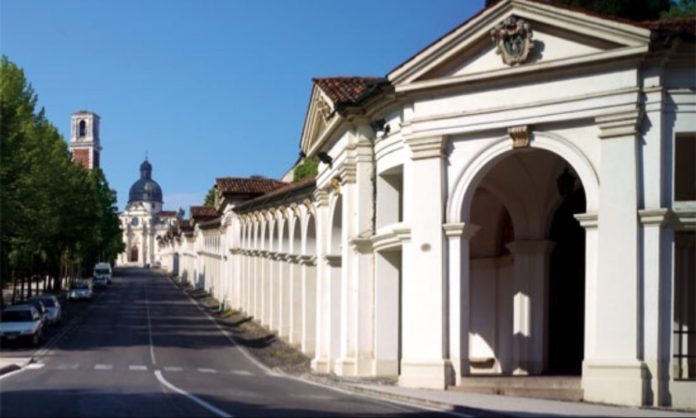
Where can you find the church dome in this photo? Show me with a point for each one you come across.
(145, 189)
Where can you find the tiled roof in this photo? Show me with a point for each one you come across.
(289, 190)
(240, 185)
(677, 26)
(167, 213)
(347, 90)
(203, 213)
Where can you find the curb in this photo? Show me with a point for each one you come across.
(14, 366)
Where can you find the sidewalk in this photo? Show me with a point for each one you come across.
(473, 404)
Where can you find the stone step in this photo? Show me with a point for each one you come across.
(541, 387)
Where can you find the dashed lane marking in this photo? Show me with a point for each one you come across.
(202, 370)
(73, 366)
(103, 366)
(242, 373)
(173, 369)
(137, 368)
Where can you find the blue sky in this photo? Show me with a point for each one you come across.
(207, 88)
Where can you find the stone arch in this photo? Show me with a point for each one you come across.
(335, 225)
(475, 170)
(309, 239)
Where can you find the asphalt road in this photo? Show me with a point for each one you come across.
(142, 348)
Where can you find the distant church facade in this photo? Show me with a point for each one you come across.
(516, 199)
(143, 221)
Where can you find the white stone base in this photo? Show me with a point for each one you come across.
(385, 368)
(619, 382)
(321, 365)
(683, 395)
(353, 367)
(428, 375)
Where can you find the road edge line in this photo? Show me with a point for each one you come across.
(194, 398)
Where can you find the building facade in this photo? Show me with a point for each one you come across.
(143, 221)
(518, 198)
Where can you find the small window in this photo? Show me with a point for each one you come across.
(685, 167)
(82, 129)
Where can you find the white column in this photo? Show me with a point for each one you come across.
(286, 296)
(657, 306)
(295, 300)
(387, 333)
(614, 372)
(459, 291)
(531, 272)
(321, 362)
(423, 312)
(309, 305)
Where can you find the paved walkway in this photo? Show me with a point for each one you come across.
(469, 404)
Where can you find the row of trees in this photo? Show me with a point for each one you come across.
(56, 217)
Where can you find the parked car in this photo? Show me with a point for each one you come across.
(21, 322)
(40, 307)
(81, 290)
(100, 281)
(102, 270)
(55, 311)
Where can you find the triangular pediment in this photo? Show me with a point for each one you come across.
(320, 114)
(558, 36)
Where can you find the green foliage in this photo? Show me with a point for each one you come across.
(210, 198)
(309, 167)
(54, 214)
(628, 9)
(682, 8)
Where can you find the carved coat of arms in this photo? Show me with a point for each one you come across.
(513, 38)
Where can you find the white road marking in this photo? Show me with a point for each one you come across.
(34, 366)
(242, 373)
(149, 326)
(194, 398)
(73, 366)
(103, 366)
(202, 370)
(137, 368)
(173, 369)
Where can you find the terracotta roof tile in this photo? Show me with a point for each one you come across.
(168, 213)
(228, 185)
(203, 213)
(284, 192)
(347, 90)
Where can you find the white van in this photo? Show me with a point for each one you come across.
(102, 270)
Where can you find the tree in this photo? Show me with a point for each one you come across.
(628, 9)
(309, 167)
(682, 8)
(210, 198)
(55, 216)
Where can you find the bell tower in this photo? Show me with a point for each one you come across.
(84, 139)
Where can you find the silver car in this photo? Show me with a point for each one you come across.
(55, 311)
(21, 322)
(81, 290)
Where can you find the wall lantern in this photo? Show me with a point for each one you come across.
(565, 183)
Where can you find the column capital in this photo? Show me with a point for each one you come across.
(620, 124)
(362, 245)
(587, 220)
(333, 260)
(656, 216)
(321, 198)
(460, 230)
(530, 247)
(430, 147)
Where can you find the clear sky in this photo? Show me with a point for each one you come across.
(207, 88)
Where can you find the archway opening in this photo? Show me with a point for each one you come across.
(133, 258)
(526, 267)
(566, 314)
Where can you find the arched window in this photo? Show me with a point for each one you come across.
(82, 128)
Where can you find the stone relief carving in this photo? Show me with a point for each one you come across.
(513, 38)
(324, 109)
(520, 135)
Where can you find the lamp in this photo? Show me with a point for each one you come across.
(325, 158)
(565, 183)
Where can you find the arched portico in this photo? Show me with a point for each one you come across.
(501, 214)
